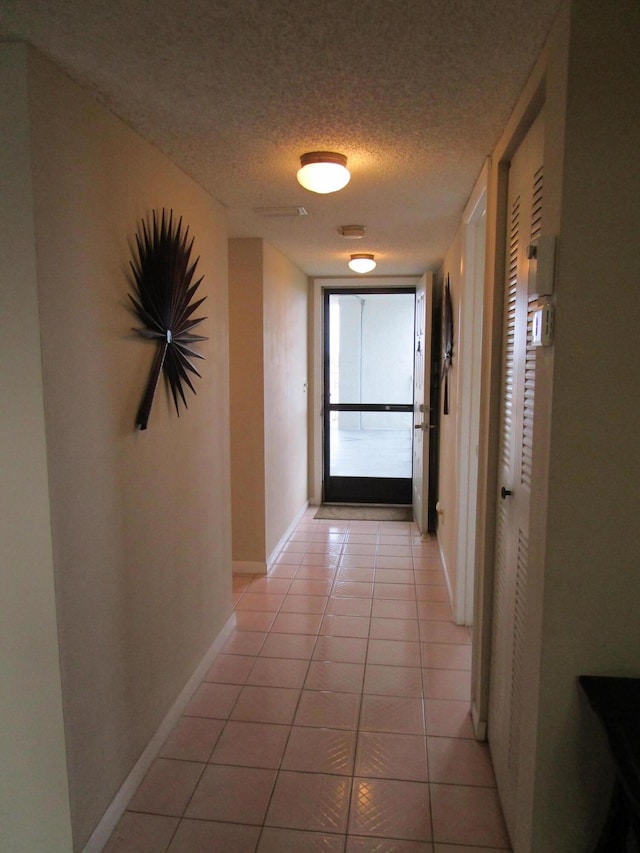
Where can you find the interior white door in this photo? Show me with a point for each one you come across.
(421, 410)
(513, 501)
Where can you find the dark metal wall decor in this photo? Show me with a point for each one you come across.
(447, 343)
(163, 290)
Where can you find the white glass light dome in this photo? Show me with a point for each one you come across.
(362, 263)
(323, 171)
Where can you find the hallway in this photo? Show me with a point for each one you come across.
(308, 733)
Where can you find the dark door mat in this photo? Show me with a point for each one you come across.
(347, 512)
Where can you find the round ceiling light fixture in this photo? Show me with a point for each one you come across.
(362, 263)
(323, 171)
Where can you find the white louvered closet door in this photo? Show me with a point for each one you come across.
(516, 426)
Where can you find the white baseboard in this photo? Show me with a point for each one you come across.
(111, 817)
(248, 567)
(479, 725)
(272, 557)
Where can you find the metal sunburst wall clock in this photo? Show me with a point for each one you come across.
(164, 289)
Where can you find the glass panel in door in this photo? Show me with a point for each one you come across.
(368, 409)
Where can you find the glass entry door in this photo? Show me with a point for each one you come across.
(368, 395)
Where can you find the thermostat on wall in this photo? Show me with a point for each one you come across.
(542, 325)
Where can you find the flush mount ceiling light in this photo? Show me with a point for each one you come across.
(352, 232)
(323, 171)
(362, 263)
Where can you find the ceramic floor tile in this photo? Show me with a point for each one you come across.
(233, 794)
(394, 576)
(278, 672)
(357, 561)
(192, 739)
(357, 844)
(241, 582)
(384, 608)
(467, 815)
(294, 546)
(244, 642)
(359, 549)
(213, 700)
(447, 684)
(203, 836)
(403, 539)
(297, 623)
(311, 801)
(254, 620)
(346, 649)
(283, 570)
(424, 577)
(295, 841)
(446, 656)
(304, 604)
(448, 718)
(353, 538)
(349, 607)
(251, 744)
(396, 591)
(326, 709)
(352, 589)
(386, 549)
(324, 559)
(393, 653)
(317, 750)
(167, 787)
(266, 705)
(333, 675)
(424, 592)
(391, 756)
(386, 562)
(288, 558)
(434, 610)
(262, 601)
(345, 626)
(232, 669)
(399, 714)
(361, 575)
(309, 587)
(459, 761)
(393, 680)
(390, 809)
(270, 585)
(443, 632)
(142, 833)
(315, 573)
(387, 628)
(289, 646)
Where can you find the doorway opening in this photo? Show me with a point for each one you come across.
(368, 395)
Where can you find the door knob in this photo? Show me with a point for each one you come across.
(418, 426)
(505, 492)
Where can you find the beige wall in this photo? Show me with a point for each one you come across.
(140, 520)
(34, 802)
(592, 582)
(583, 583)
(285, 394)
(268, 323)
(246, 321)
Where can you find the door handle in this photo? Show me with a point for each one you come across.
(504, 493)
(418, 426)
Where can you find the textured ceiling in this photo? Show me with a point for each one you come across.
(414, 92)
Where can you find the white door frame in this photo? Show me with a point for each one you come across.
(317, 338)
(470, 361)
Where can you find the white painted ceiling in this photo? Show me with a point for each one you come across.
(414, 92)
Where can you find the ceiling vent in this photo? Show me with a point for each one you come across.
(280, 211)
(352, 232)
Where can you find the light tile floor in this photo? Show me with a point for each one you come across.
(336, 717)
